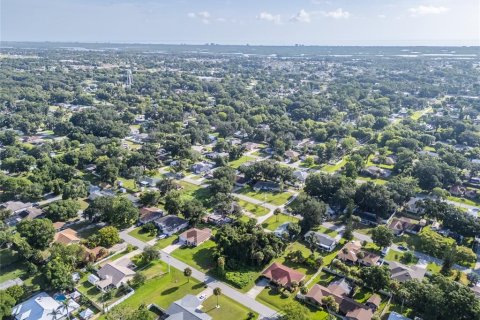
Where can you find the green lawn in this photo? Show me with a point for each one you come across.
(324, 279)
(83, 204)
(237, 163)
(229, 309)
(376, 181)
(274, 222)
(163, 243)
(394, 255)
(276, 198)
(256, 209)
(154, 269)
(93, 294)
(85, 233)
(419, 113)
(200, 257)
(277, 302)
(329, 232)
(163, 290)
(141, 235)
(336, 167)
(300, 267)
(191, 190)
(463, 201)
(128, 184)
(433, 268)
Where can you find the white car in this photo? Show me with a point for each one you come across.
(162, 236)
(202, 297)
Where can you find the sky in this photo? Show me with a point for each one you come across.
(254, 22)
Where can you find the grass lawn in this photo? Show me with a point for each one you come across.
(394, 255)
(335, 167)
(83, 204)
(256, 209)
(237, 163)
(114, 257)
(200, 257)
(128, 184)
(13, 271)
(433, 267)
(85, 233)
(92, 292)
(163, 243)
(154, 269)
(274, 222)
(463, 201)
(376, 181)
(380, 165)
(229, 309)
(324, 279)
(141, 235)
(191, 190)
(163, 290)
(276, 198)
(329, 232)
(418, 114)
(297, 266)
(277, 302)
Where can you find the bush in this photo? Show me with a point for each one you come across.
(238, 279)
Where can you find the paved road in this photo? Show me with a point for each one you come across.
(264, 311)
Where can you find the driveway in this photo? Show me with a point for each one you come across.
(169, 249)
(259, 286)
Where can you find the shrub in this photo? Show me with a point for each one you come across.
(238, 279)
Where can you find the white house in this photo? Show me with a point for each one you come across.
(323, 241)
(43, 307)
(171, 224)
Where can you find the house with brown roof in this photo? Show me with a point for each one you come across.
(352, 309)
(149, 214)
(194, 237)
(66, 237)
(402, 224)
(352, 252)
(282, 275)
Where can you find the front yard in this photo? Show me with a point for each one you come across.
(276, 198)
(274, 222)
(256, 209)
(229, 309)
(200, 257)
(237, 163)
(141, 235)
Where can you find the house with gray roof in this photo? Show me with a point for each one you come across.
(323, 241)
(187, 308)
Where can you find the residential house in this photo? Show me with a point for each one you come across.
(396, 316)
(202, 167)
(21, 214)
(322, 241)
(266, 186)
(291, 155)
(16, 206)
(112, 276)
(216, 155)
(457, 190)
(412, 206)
(402, 224)
(43, 307)
(282, 275)
(352, 309)
(171, 224)
(376, 172)
(300, 175)
(66, 237)
(352, 253)
(218, 219)
(148, 181)
(187, 308)
(101, 193)
(194, 237)
(402, 273)
(149, 214)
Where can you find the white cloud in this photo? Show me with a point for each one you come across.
(337, 14)
(204, 16)
(382, 16)
(301, 16)
(427, 10)
(266, 16)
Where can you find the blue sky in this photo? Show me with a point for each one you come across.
(268, 22)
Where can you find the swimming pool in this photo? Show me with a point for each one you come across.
(60, 297)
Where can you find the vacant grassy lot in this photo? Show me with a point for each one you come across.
(335, 167)
(276, 198)
(237, 163)
(229, 309)
(274, 222)
(394, 255)
(256, 209)
(200, 257)
(163, 243)
(141, 235)
(163, 290)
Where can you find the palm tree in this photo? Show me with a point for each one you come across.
(187, 273)
(217, 292)
(55, 313)
(65, 306)
(277, 212)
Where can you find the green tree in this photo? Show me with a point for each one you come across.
(38, 232)
(59, 274)
(187, 273)
(294, 311)
(108, 236)
(150, 253)
(62, 210)
(382, 236)
(7, 302)
(375, 277)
